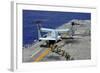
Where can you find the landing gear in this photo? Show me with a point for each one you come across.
(50, 42)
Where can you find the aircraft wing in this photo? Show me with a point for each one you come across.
(62, 30)
(46, 29)
(47, 38)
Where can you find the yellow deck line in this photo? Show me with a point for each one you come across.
(42, 55)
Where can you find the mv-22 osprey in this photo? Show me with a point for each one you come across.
(53, 35)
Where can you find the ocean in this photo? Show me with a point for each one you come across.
(50, 19)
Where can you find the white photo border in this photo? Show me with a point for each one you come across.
(17, 37)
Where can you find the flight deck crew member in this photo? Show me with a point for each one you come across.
(72, 29)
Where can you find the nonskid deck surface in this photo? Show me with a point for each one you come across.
(79, 49)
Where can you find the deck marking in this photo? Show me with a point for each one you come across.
(35, 53)
(43, 55)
